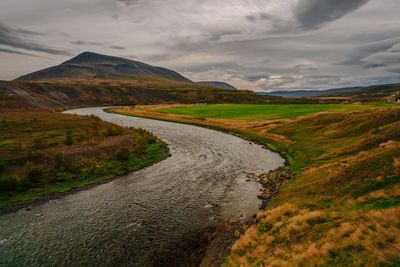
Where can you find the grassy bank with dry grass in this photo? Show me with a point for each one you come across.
(342, 206)
(44, 153)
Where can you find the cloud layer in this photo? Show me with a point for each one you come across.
(253, 44)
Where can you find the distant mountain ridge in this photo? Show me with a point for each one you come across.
(311, 93)
(376, 92)
(89, 65)
(216, 84)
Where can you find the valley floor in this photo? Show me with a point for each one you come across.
(341, 208)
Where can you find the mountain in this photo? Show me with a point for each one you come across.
(366, 93)
(90, 65)
(310, 93)
(91, 79)
(216, 84)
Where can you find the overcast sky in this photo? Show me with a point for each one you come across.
(252, 44)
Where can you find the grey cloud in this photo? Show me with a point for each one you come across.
(117, 47)
(84, 43)
(369, 65)
(128, 2)
(256, 77)
(365, 49)
(313, 14)
(90, 43)
(388, 58)
(383, 58)
(11, 51)
(253, 44)
(260, 17)
(16, 38)
(233, 68)
(305, 67)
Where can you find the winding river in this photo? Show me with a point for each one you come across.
(147, 218)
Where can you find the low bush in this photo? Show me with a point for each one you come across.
(2, 167)
(38, 143)
(8, 184)
(122, 154)
(32, 177)
(68, 141)
(113, 131)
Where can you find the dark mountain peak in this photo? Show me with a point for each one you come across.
(90, 65)
(91, 57)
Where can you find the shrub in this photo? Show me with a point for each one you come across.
(264, 227)
(123, 154)
(68, 141)
(58, 160)
(82, 138)
(38, 143)
(28, 130)
(113, 131)
(2, 167)
(61, 162)
(8, 184)
(32, 177)
(95, 131)
(152, 139)
(94, 117)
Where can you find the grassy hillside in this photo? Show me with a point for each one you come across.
(57, 94)
(44, 152)
(373, 93)
(341, 208)
(366, 94)
(70, 93)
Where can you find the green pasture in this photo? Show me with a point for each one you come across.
(262, 111)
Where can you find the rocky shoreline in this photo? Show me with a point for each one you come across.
(220, 240)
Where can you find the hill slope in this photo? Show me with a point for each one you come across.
(342, 204)
(215, 84)
(90, 65)
(311, 93)
(58, 94)
(375, 92)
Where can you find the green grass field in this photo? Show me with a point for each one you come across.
(262, 112)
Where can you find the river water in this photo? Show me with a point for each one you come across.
(148, 218)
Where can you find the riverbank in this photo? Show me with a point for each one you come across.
(47, 155)
(342, 205)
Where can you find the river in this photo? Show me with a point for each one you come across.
(152, 217)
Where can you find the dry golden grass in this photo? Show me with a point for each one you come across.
(342, 208)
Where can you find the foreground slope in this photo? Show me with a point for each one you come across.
(44, 152)
(341, 208)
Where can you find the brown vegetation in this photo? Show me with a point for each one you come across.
(44, 152)
(342, 208)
